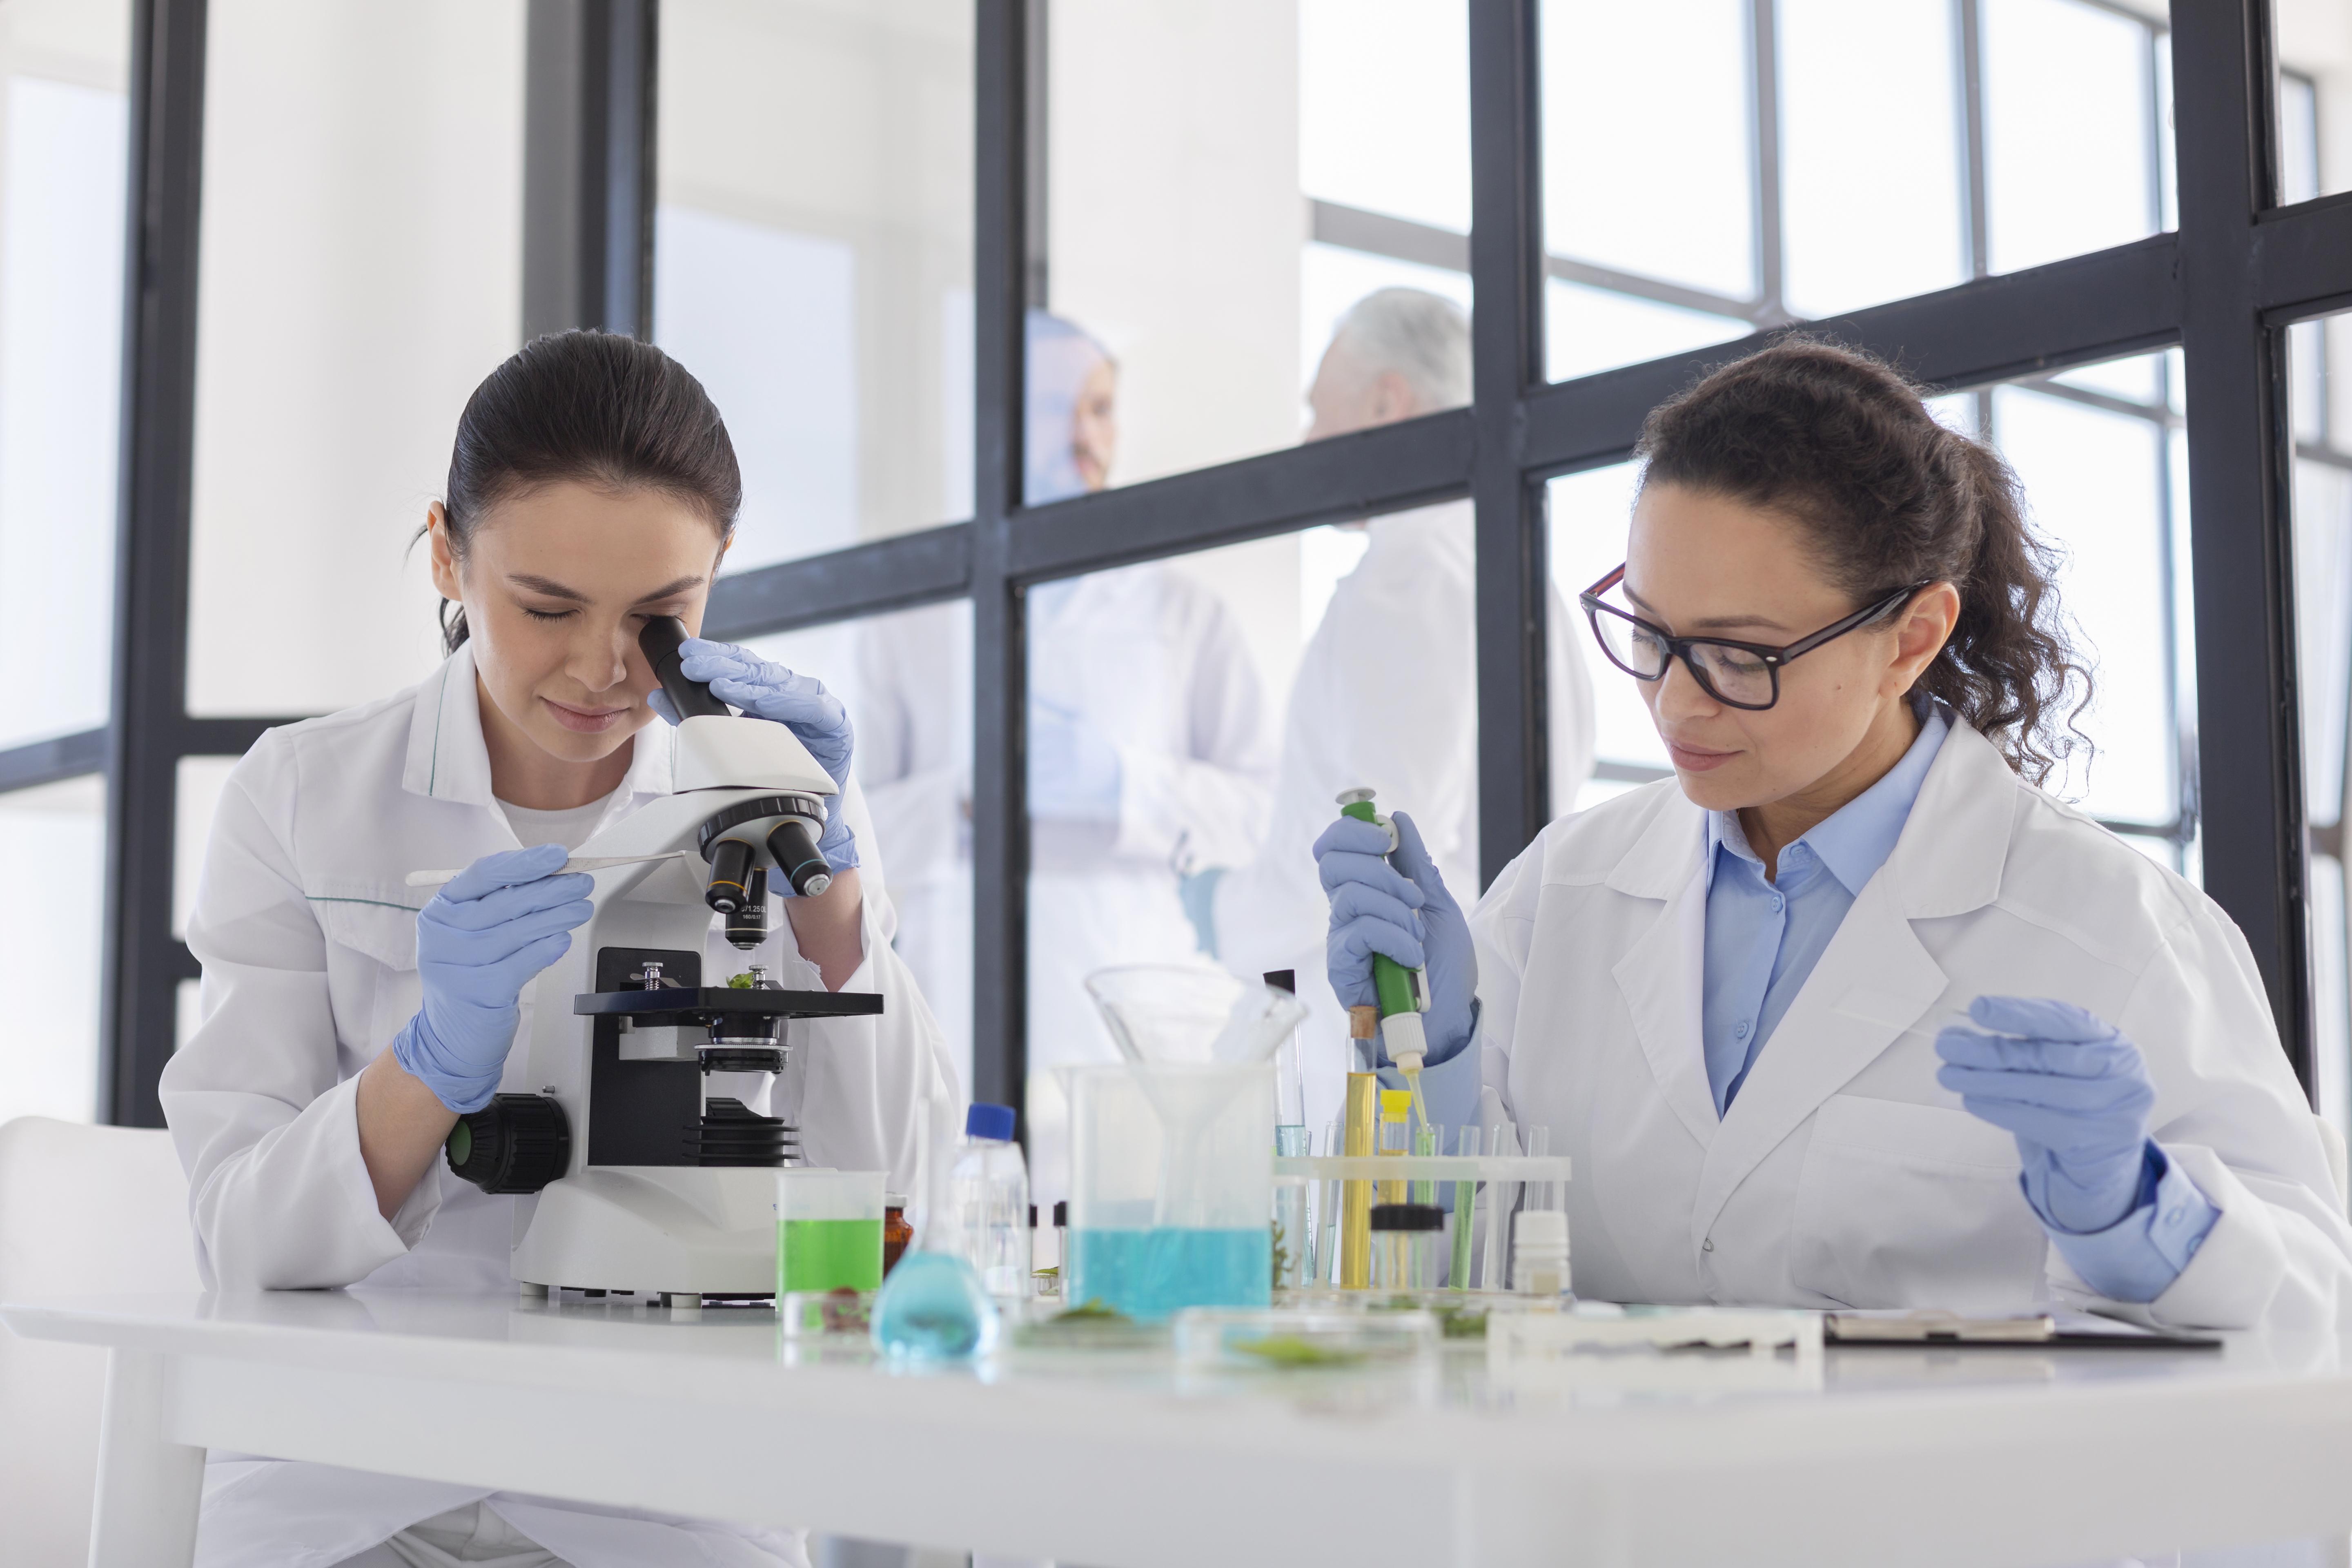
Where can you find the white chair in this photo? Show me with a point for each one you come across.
(83, 1211)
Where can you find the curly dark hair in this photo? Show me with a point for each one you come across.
(1843, 444)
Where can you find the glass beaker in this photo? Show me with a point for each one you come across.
(828, 1230)
(1172, 1172)
(1171, 1155)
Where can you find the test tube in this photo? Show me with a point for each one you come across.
(1465, 1212)
(1396, 1137)
(1327, 1215)
(1356, 1241)
(1426, 1139)
(1291, 1246)
(1504, 1140)
(1539, 1140)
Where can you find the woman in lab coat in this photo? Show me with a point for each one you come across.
(1848, 1012)
(348, 1020)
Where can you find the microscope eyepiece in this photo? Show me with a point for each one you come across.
(660, 641)
(798, 858)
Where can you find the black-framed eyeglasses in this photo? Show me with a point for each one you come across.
(1736, 674)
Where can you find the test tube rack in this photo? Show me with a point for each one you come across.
(1516, 1170)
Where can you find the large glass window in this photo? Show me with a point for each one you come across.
(362, 248)
(2099, 453)
(812, 258)
(2322, 501)
(2312, 39)
(64, 123)
(1811, 157)
(1222, 181)
(53, 840)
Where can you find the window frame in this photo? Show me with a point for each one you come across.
(2223, 286)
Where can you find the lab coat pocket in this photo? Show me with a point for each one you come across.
(370, 964)
(1913, 1205)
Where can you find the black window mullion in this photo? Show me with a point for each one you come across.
(999, 822)
(588, 166)
(1507, 269)
(143, 962)
(2241, 565)
(52, 761)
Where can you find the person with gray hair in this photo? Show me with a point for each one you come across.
(1387, 694)
(1395, 353)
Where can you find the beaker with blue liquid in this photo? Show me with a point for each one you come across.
(1171, 1151)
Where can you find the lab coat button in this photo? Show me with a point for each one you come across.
(2174, 1217)
(1708, 1246)
(1739, 1031)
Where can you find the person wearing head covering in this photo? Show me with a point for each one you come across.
(1149, 752)
(1387, 694)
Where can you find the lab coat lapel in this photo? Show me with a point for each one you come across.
(1873, 982)
(446, 757)
(1876, 979)
(1659, 976)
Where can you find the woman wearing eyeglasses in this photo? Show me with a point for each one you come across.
(1849, 1012)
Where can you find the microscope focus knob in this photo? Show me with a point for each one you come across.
(517, 1144)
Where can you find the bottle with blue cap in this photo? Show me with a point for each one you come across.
(988, 1195)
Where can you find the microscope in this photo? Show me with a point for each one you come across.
(631, 1178)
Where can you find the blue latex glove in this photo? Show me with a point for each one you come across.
(1074, 771)
(1407, 915)
(2072, 1091)
(494, 926)
(799, 702)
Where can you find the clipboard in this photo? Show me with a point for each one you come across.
(1903, 1327)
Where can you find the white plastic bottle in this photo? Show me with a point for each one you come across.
(990, 1193)
(1539, 1252)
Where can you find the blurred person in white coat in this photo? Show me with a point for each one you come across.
(347, 1020)
(1387, 692)
(1150, 752)
(1849, 1012)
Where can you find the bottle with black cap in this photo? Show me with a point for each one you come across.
(1404, 1245)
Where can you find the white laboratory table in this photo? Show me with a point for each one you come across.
(1979, 1458)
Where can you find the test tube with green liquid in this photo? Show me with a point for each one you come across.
(1466, 1205)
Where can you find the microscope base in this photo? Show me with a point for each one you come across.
(679, 1229)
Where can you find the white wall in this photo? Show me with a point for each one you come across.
(361, 273)
(63, 135)
(53, 839)
(804, 129)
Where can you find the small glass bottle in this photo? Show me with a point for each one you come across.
(896, 1232)
(990, 1193)
(1404, 1245)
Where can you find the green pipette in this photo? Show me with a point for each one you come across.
(1403, 994)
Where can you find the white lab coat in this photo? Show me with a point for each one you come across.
(307, 932)
(1387, 697)
(1156, 663)
(1843, 1173)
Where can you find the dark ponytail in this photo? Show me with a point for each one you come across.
(593, 409)
(1842, 444)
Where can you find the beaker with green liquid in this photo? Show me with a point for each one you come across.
(828, 1232)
